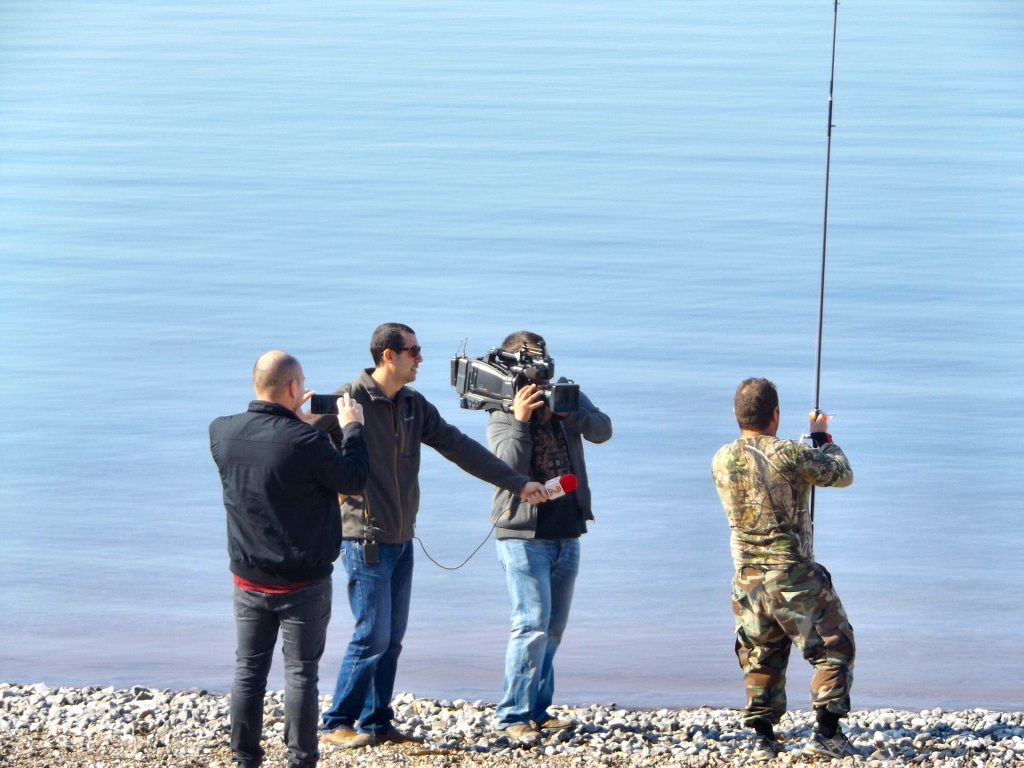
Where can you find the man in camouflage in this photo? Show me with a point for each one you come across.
(780, 595)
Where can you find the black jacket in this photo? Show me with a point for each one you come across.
(394, 431)
(281, 481)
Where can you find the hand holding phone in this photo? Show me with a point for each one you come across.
(349, 410)
(344, 407)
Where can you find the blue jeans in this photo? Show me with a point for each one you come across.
(302, 617)
(379, 596)
(541, 574)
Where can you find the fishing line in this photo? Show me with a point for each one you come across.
(824, 230)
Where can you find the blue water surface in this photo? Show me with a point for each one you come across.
(186, 185)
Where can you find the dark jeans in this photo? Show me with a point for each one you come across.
(379, 595)
(303, 617)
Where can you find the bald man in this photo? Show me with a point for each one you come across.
(281, 479)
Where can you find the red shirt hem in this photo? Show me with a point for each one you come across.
(268, 589)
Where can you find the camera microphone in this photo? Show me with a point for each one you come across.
(560, 486)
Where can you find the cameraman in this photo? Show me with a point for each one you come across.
(281, 480)
(539, 544)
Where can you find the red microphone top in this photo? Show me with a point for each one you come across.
(569, 483)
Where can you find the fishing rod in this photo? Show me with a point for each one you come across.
(824, 230)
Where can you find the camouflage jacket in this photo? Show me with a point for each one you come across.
(764, 483)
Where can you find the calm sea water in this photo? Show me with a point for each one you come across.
(186, 185)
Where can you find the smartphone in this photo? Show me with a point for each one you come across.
(323, 404)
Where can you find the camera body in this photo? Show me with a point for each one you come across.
(491, 382)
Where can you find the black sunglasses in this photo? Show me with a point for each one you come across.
(415, 350)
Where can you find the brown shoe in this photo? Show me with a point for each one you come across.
(395, 736)
(522, 733)
(346, 738)
(553, 724)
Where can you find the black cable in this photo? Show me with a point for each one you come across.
(456, 567)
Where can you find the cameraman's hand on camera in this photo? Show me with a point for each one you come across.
(527, 400)
(305, 415)
(533, 493)
(349, 410)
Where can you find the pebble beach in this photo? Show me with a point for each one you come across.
(53, 727)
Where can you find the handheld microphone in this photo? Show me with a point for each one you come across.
(560, 486)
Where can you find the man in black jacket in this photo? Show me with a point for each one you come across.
(281, 480)
(378, 529)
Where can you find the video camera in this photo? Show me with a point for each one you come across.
(491, 382)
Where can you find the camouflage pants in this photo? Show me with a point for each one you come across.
(775, 609)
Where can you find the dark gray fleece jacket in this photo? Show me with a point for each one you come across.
(510, 440)
(394, 430)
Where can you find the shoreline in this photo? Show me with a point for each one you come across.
(67, 726)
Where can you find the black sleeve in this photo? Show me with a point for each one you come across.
(213, 442)
(345, 469)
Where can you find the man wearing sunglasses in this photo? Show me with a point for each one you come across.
(377, 529)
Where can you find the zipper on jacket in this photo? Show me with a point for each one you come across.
(398, 487)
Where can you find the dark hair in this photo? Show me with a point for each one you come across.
(273, 372)
(516, 341)
(387, 336)
(755, 402)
